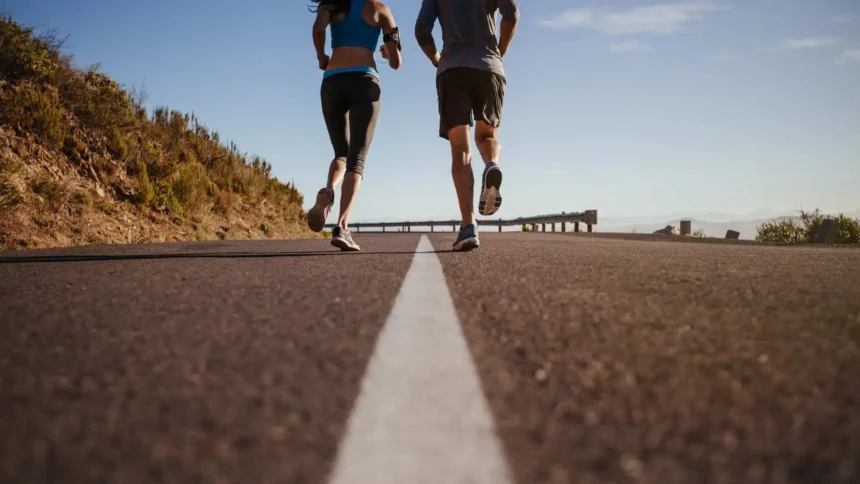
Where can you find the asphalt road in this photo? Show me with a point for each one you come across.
(601, 361)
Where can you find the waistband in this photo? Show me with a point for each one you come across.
(366, 69)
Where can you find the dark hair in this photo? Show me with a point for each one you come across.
(333, 6)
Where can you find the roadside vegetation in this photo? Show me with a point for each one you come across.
(83, 161)
(805, 227)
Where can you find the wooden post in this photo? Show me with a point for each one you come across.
(553, 226)
(431, 229)
(544, 227)
(383, 229)
(576, 226)
(826, 232)
(500, 228)
(686, 228)
(564, 227)
(534, 227)
(589, 228)
(733, 235)
(409, 229)
(455, 228)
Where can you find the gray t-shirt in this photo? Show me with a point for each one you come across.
(468, 31)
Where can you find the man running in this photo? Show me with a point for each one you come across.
(470, 81)
(350, 97)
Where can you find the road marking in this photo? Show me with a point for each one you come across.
(421, 416)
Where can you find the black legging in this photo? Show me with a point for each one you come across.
(359, 95)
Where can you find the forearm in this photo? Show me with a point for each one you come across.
(431, 53)
(506, 34)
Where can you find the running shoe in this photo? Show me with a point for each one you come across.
(342, 239)
(319, 213)
(491, 183)
(467, 239)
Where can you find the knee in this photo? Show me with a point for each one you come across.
(460, 158)
(355, 164)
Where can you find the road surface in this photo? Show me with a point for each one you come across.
(540, 358)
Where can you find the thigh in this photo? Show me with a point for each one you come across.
(487, 96)
(365, 100)
(455, 109)
(335, 106)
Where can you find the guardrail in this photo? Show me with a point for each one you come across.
(588, 217)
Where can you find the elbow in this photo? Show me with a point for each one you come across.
(423, 36)
(511, 15)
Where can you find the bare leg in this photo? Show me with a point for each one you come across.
(335, 172)
(461, 171)
(488, 144)
(351, 182)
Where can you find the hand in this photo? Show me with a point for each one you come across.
(323, 61)
(384, 51)
(436, 60)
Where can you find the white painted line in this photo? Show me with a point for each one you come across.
(421, 416)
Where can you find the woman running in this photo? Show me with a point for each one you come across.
(350, 95)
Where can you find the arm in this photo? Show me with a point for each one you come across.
(510, 16)
(390, 32)
(320, 24)
(424, 30)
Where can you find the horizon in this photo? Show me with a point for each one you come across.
(680, 107)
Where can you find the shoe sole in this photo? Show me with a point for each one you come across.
(345, 246)
(317, 215)
(491, 198)
(466, 245)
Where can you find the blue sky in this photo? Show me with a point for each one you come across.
(631, 107)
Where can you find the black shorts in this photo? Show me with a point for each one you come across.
(464, 92)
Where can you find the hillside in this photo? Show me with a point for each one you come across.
(81, 162)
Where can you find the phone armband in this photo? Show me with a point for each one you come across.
(393, 36)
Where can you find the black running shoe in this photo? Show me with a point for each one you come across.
(491, 184)
(342, 239)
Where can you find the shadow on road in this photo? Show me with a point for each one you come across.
(215, 255)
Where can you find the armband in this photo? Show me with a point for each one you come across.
(394, 35)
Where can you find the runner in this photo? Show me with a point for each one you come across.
(470, 81)
(350, 96)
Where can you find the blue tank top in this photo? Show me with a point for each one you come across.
(353, 31)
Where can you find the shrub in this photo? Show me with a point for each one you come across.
(190, 184)
(98, 102)
(791, 232)
(9, 196)
(698, 233)
(54, 193)
(145, 190)
(74, 149)
(266, 229)
(781, 232)
(169, 203)
(848, 230)
(29, 108)
(24, 56)
(224, 202)
(82, 198)
(117, 145)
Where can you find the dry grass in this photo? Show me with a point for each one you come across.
(83, 163)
